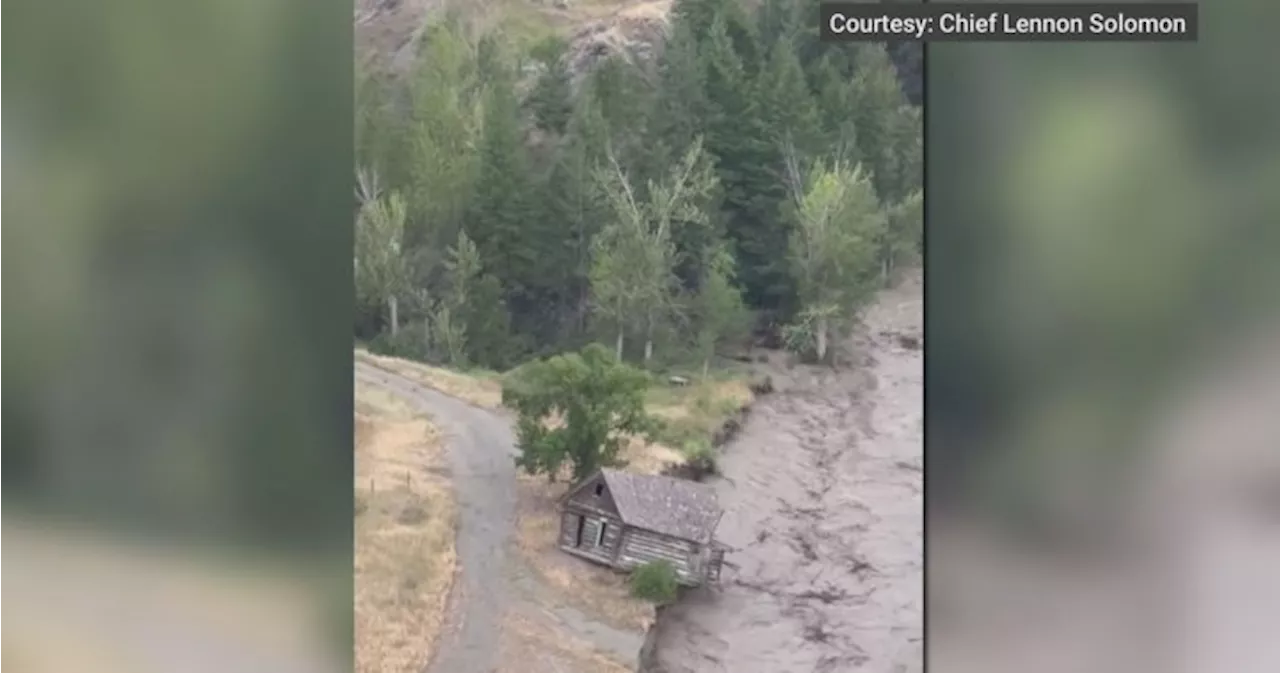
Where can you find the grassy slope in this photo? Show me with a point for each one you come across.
(404, 535)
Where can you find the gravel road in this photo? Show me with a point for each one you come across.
(491, 584)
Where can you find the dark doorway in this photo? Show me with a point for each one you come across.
(577, 537)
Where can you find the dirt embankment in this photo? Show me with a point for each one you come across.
(823, 492)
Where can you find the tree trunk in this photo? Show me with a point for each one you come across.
(648, 343)
(821, 338)
(394, 306)
(617, 346)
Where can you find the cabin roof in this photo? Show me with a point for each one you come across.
(677, 507)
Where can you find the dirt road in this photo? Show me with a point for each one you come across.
(823, 492)
(492, 587)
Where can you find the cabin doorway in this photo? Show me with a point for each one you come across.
(577, 536)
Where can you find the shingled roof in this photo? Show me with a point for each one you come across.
(677, 507)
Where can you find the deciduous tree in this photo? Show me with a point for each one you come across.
(833, 249)
(381, 273)
(577, 409)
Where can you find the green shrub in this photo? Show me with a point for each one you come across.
(656, 582)
(701, 456)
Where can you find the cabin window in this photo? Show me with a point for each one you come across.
(600, 534)
(599, 489)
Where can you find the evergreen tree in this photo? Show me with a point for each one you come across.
(680, 102)
(750, 165)
(698, 17)
(623, 96)
(901, 241)
(835, 99)
(680, 109)
(504, 220)
(476, 305)
(789, 112)
(551, 98)
(574, 201)
(877, 103)
(905, 173)
(780, 20)
(442, 130)
(719, 315)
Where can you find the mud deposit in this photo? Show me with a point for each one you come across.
(823, 492)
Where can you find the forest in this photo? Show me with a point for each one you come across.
(746, 179)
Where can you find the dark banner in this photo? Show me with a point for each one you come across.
(1009, 22)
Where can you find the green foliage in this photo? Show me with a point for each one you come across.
(379, 266)
(633, 280)
(474, 313)
(700, 455)
(904, 234)
(833, 250)
(719, 315)
(592, 400)
(648, 205)
(656, 582)
(551, 98)
(444, 124)
(877, 102)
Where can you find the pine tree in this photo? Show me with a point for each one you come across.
(551, 98)
(698, 17)
(903, 233)
(834, 98)
(475, 301)
(877, 102)
(623, 95)
(750, 165)
(503, 220)
(680, 112)
(680, 102)
(719, 315)
(788, 110)
(442, 130)
(574, 201)
(904, 174)
(780, 20)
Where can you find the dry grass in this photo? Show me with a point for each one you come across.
(532, 645)
(699, 411)
(404, 535)
(478, 390)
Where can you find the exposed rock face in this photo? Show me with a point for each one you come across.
(635, 32)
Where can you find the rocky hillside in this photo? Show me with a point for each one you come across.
(387, 31)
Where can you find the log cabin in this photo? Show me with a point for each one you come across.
(624, 520)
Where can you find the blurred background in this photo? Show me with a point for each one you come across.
(1103, 371)
(1103, 365)
(178, 190)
